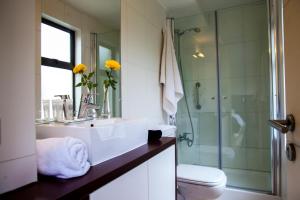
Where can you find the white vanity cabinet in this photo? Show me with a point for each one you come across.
(161, 172)
(132, 185)
(152, 180)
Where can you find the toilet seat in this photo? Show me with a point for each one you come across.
(200, 175)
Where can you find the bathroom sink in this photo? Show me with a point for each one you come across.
(98, 122)
(105, 138)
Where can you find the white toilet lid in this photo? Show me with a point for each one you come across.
(200, 175)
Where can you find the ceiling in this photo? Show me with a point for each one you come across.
(107, 12)
(180, 8)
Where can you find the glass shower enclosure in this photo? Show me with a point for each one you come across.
(224, 57)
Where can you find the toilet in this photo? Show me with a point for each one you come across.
(197, 182)
(200, 183)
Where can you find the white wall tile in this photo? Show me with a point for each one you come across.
(230, 25)
(136, 37)
(138, 5)
(72, 16)
(141, 48)
(155, 13)
(154, 47)
(55, 8)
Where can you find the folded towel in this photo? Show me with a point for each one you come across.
(169, 74)
(62, 157)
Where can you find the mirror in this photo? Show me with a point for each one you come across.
(73, 32)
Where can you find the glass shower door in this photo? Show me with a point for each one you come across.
(245, 95)
(196, 55)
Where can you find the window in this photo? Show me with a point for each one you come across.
(58, 58)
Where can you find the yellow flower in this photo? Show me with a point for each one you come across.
(113, 64)
(80, 68)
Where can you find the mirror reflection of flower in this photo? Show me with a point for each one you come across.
(111, 66)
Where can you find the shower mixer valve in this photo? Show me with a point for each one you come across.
(184, 137)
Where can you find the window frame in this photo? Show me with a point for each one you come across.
(50, 62)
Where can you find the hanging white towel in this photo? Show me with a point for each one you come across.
(169, 74)
(62, 157)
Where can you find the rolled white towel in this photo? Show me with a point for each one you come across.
(62, 157)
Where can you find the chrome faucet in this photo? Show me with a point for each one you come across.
(87, 109)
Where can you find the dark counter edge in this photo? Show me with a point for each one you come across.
(97, 176)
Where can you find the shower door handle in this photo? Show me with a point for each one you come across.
(284, 126)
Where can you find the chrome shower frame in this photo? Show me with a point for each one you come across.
(277, 92)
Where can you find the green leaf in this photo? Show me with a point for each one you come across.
(95, 85)
(91, 74)
(78, 84)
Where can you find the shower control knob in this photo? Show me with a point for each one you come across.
(290, 152)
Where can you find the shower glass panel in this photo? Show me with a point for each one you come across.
(226, 76)
(245, 95)
(198, 65)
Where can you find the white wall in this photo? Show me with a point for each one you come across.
(141, 34)
(17, 104)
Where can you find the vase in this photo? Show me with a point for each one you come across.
(105, 111)
(87, 108)
(84, 100)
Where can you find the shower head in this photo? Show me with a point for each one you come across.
(195, 29)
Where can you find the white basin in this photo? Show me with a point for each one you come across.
(105, 138)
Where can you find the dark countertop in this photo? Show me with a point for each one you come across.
(97, 176)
